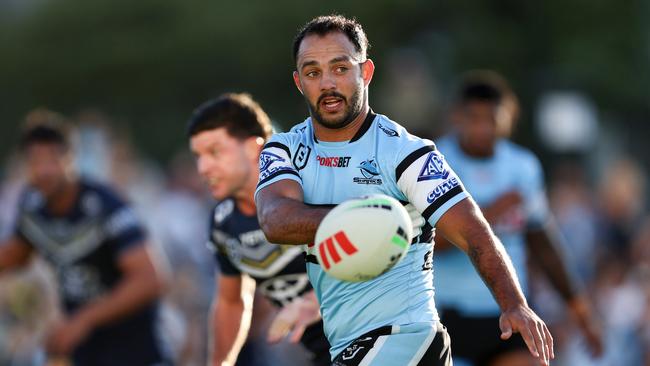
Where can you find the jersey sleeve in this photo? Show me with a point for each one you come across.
(275, 162)
(122, 227)
(225, 265)
(426, 179)
(217, 244)
(534, 193)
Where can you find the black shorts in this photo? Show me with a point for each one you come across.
(315, 342)
(478, 339)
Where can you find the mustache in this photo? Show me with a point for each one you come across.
(330, 94)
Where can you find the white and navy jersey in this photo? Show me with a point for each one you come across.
(511, 168)
(84, 247)
(240, 247)
(382, 158)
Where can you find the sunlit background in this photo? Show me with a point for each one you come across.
(129, 73)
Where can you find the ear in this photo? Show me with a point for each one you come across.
(252, 147)
(296, 80)
(367, 71)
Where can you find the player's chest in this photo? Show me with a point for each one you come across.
(63, 240)
(487, 182)
(333, 176)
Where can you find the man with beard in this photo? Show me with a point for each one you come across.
(108, 277)
(392, 319)
(226, 136)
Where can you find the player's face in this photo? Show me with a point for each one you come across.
(49, 166)
(223, 161)
(477, 123)
(333, 78)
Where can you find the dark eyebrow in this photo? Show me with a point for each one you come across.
(332, 61)
(308, 63)
(339, 59)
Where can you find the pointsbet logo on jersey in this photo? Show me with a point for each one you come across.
(334, 161)
(369, 171)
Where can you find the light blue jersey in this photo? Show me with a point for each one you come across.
(511, 168)
(382, 158)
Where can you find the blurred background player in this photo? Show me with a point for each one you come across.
(226, 136)
(508, 183)
(109, 278)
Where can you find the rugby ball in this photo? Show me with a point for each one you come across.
(363, 238)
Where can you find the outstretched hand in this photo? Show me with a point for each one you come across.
(295, 318)
(524, 321)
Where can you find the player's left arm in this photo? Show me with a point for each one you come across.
(464, 225)
(428, 182)
(143, 281)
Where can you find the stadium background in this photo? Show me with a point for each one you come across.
(129, 73)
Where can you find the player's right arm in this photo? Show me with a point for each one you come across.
(230, 318)
(284, 217)
(14, 253)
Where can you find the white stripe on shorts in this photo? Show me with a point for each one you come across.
(374, 351)
(424, 347)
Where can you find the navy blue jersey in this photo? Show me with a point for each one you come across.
(239, 246)
(84, 247)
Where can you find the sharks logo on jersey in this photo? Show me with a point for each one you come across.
(369, 171)
(433, 168)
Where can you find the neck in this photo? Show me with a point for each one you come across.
(245, 198)
(341, 134)
(61, 203)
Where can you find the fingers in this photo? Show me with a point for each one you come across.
(297, 333)
(278, 330)
(506, 328)
(540, 343)
(549, 342)
(528, 337)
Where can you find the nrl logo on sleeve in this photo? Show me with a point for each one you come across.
(301, 156)
(434, 168)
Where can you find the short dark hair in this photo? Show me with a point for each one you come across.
(326, 24)
(238, 113)
(487, 86)
(43, 126)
